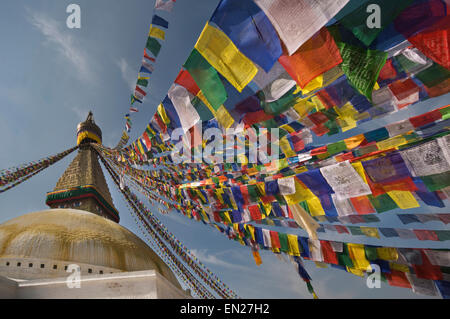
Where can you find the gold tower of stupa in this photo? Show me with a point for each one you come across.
(83, 185)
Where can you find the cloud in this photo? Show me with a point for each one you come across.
(80, 113)
(63, 42)
(214, 260)
(128, 74)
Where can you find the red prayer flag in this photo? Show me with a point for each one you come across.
(387, 72)
(402, 89)
(275, 239)
(425, 234)
(256, 117)
(185, 80)
(362, 205)
(254, 212)
(316, 56)
(435, 44)
(397, 278)
(423, 119)
(329, 256)
(427, 270)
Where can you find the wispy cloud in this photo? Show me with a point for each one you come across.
(63, 42)
(81, 113)
(128, 74)
(213, 259)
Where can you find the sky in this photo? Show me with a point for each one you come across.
(51, 76)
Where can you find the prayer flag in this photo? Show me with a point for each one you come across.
(250, 30)
(207, 79)
(297, 21)
(225, 57)
(316, 56)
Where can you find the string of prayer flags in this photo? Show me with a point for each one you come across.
(290, 66)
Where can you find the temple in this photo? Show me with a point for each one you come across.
(77, 249)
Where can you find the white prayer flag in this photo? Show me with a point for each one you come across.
(279, 87)
(166, 5)
(422, 286)
(344, 180)
(399, 128)
(343, 206)
(426, 159)
(315, 249)
(438, 257)
(266, 237)
(181, 100)
(286, 185)
(298, 20)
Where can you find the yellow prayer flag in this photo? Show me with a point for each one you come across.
(257, 257)
(360, 170)
(370, 231)
(358, 256)
(355, 271)
(293, 245)
(162, 114)
(354, 141)
(156, 33)
(222, 115)
(303, 107)
(387, 253)
(399, 267)
(301, 193)
(286, 147)
(315, 207)
(314, 84)
(225, 57)
(392, 142)
(403, 199)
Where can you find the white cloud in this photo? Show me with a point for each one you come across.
(63, 42)
(128, 75)
(214, 260)
(81, 113)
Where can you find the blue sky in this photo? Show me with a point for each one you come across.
(51, 76)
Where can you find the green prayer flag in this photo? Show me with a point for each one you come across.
(337, 147)
(433, 75)
(279, 106)
(142, 82)
(362, 67)
(437, 181)
(371, 252)
(153, 46)
(443, 235)
(382, 203)
(283, 242)
(202, 110)
(445, 112)
(207, 79)
(253, 192)
(355, 230)
(344, 260)
(332, 126)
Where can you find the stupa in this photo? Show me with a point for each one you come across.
(77, 249)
